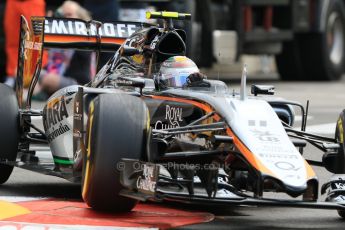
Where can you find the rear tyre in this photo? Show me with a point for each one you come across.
(117, 128)
(289, 62)
(339, 136)
(9, 132)
(341, 214)
(317, 56)
(323, 54)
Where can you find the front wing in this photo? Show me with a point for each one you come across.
(144, 182)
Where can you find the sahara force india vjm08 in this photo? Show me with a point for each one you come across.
(150, 126)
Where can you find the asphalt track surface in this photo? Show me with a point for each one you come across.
(327, 100)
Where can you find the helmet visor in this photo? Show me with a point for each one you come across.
(175, 80)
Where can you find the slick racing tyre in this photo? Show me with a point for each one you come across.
(339, 136)
(9, 131)
(323, 54)
(316, 56)
(288, 62)
(117, 128)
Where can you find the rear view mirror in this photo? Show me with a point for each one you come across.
(262, 89)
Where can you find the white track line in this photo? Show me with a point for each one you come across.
(20, 198)
(9, 225)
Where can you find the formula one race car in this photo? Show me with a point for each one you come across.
(150, 126)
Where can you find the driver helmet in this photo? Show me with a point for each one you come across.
(175, 70)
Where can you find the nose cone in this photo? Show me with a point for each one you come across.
(263, 141)
(295, 191)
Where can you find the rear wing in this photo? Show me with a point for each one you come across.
(47, 32)
(79, 34)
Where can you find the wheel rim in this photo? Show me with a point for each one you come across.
(335, 38)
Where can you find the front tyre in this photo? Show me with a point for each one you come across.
(9, 131)
(117, 128)
(339, 136)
